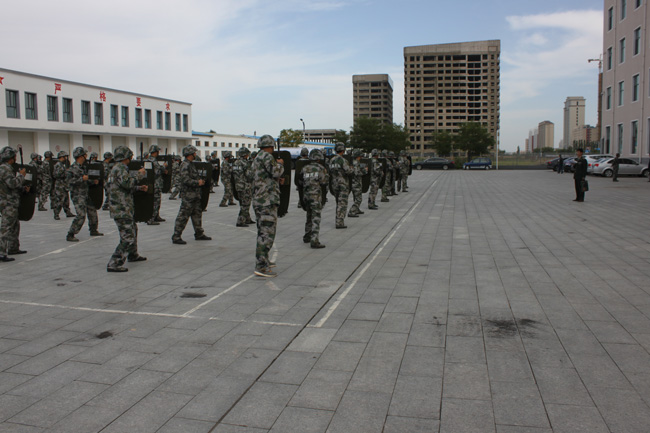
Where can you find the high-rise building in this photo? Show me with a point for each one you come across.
(446, 85)
(574, 118)
(625, 121)
(546, 134)
(373, 96)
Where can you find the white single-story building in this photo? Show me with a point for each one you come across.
(208, 142)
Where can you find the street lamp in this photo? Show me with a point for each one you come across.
(303, 130)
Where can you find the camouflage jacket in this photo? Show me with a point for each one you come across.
(312, 178)
(46, 170)
(176, 169)
(340, 171)
(404, 165)
(189, 181)
(357, 174)
(377, 171)
(266, 175)
(74, 177)
(11, 186)
(226, 170)
(123, 185)
(159, 171)
(38, 181)
(241, 175)
(108, 167)
(59, 176)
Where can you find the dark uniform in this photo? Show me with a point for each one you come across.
(579, 176)
(312, 178)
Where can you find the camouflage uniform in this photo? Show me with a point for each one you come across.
(375, 180)
(190, 201)
(82, 203)
(266, 199)
(340, 170)
(242, 180)
(46, 186)
(159, 171)
(394, 173)
(385, 190)
(226, 180)
(108, 167)
(404, 173)
(61, 196)
(11, 186)
(312, 178)
(356, 185)
(176, 186)
(123, 185)
(38, 184)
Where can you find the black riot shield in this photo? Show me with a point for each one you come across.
(216, 170)
(297, 178)
(384, 169)
(167, 178)
(142, 200)
(27, 199)
(365, 179)
(205, 173)
(410, 165)
(95, 171)
(285, 187)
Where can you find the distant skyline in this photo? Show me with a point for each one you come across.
(257, 66)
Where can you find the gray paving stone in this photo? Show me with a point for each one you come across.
(290, 368)
(466, 381)
(322, 389)
(130, 390)
(10, 405)
(341, 355)
(312, 340)
(466, 416)
(518, 403)
(416, 397)
(380, 363)
(52, 380)
(355, 331)
(225, 428)
(7, 427)
(261, 406)
(561, 386)
(508, 366)
(622, 410)
(396, 424)
(302, 420)
(360, 412)
(465, 349)
(573, 419)
(177, 424)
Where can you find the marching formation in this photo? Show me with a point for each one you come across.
(131, 190)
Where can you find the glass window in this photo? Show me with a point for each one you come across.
(621, 93)
(138, 117)
(159, 119)
(30, 106)
(608, 135)
(114, 115)
(168, 121)
(634, 136)
(66, 108)
(186, 123)
(608, 98)
(178, 121)
(623, 9)
(125, 116)
(85, 112)
(12, 104)
(637, 3)
(622, 50)
(635, 87)
(147, 118)
(609, 58)
(610, 18)
(637, 41)
(620, 138)
(99, 113)
(53, 108)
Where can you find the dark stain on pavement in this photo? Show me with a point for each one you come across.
(193, 295)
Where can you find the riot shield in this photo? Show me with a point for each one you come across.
(216, 170)
(384, 169)
(205, 173)
(142, 200)
(27, 199)
(297, 178)
(285, 188)
(167, 178)
(365, 179)
(233, 184)
(410, 165)
(95, 171)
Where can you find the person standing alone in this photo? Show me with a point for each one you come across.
(579, 176)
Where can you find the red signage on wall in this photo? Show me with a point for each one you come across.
(168, 108)
(138, 102)
(102, 96)
(1, 78)
(57, 88)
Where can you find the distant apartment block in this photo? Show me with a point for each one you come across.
(447, 85)
(546, 134)
(574, 119)
(373, 97)
(320, 135)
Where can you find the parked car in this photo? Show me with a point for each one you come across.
(433, 163)
(568, 164)
(626, 167)
(484, 163)
(592, 159)
(552, 164)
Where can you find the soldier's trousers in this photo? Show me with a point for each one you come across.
(314, 207)
(244, 208)
(405, 185)
(372, 191)
(267, 221)
(128, 246)
(189, 209)
(385, 191)
(175, 190)
(61, 199)
(341, 204)
(227, 192)
(9, 228)
(357, 195)
(157, 196)
(107, 195)
(83, 206)
(46, 188)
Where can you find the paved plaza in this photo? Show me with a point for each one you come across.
(477, 302)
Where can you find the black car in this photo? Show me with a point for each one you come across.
(433, 163)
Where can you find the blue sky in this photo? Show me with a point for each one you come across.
(259, 66)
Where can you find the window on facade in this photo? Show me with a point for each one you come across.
(114, 115)
(608, 98)
(30, 106)
(186, 123)
(610, 18)
(12, 104)
(159, 121)
(178, 121)
(138, 117)
(623, 9)
(168, 121)
(147, 119)
(85, 111)
(634, 136)
(609, 58)
(608, 136)
(619, 141)
(621, 93)
(66, 109)
(99, 113)
(53, 108)
(635, 87)
(125, 116)
(637, 3)
(637, 41)
(622, 50)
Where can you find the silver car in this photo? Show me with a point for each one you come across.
(626, 167)
(593, 159)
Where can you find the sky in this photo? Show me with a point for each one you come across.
(259, 66)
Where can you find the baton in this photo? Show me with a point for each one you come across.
(141, 151)
(20, 150)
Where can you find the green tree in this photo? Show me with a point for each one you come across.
(473, 138)
(395, 137)
(442, 142)
(368, 133)
(291, 138)
(341, 136)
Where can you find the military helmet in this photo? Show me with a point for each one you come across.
(7, 153)
(384, 152)
(356, 153)
(304, 152)
(189, 150)
(374, 152)
(48, 154)
(227, 154)
(253, 155)
(78, 151)
(214, 153)
(34, 155)
(245, 151)
(94, 155)
(316, 155)
(108, 155)
(339, 148)
(154, 148)
(265, 141)
(241, 152)
(391, 154)
(122, 153)
(62, 154)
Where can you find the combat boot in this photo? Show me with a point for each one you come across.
(202, 238)
(159, 219)
(96, 233)
(116, 269)
(42, 208)
(71, 238)
(4, 258)
(152, 222)
(317, 245)
(56, 217)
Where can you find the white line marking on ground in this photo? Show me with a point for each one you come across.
(61, 250)
(234, 286)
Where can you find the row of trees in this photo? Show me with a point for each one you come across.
(472, 138)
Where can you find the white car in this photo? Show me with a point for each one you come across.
(626, 167)
(592, 159)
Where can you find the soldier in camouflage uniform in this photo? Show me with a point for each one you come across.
(78, 182)
(11, 187)
(267, 177)
(61, 198)
(190, 199)
(340, 171)
(242, 179)
(176, 187)
(304, 155)
(311, 178)
(394, 173)
(385, 190)
(376, 173)
(356, 184)
(108, 164)
(93, 157)
(404, 164)
(226, 179)
(46, 185)
(123, 185)
(159, 171)
(38, 184)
